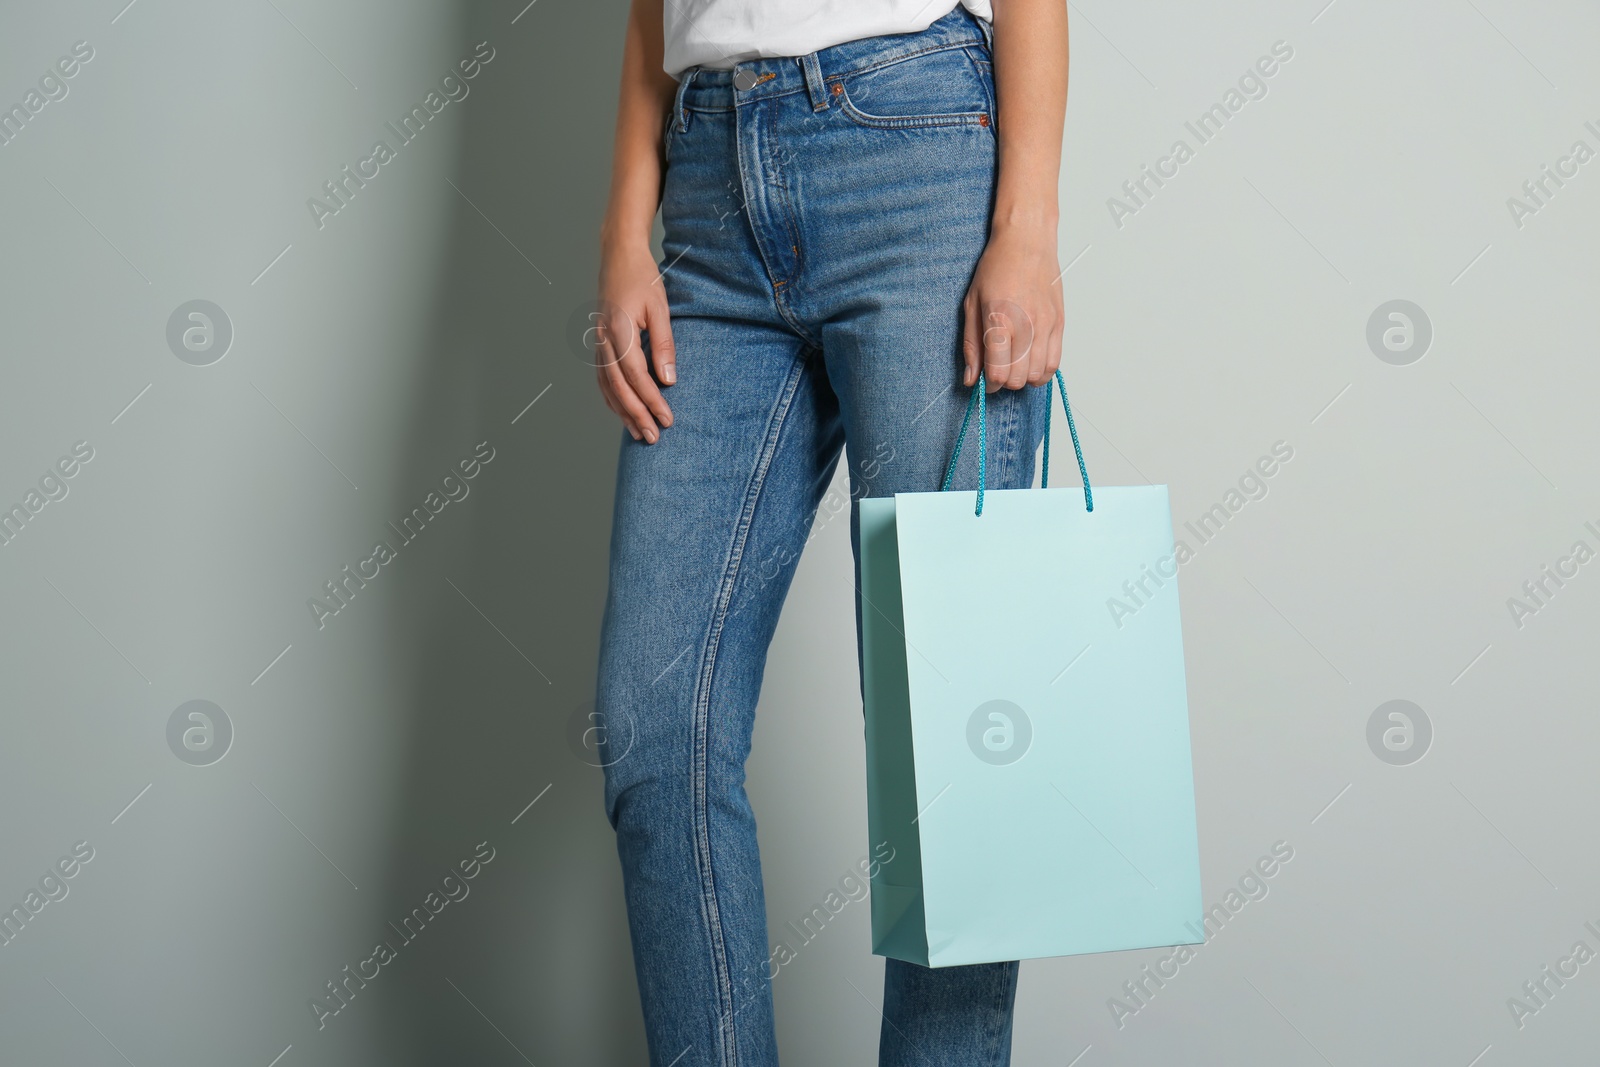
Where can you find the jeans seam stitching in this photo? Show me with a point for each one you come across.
(908, 122)
(702, 833)
(984, 79)
(999, 1017)
(790, 222)
(897, 58)
(745, 183)
(1006, 442)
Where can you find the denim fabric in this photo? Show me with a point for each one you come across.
(822, 226)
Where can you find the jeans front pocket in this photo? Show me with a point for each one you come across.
(947, 87)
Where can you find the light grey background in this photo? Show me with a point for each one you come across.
(369, 356)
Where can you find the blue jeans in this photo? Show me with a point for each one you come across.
(823, 220)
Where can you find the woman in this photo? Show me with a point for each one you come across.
(859, 202)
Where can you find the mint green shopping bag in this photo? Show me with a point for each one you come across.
(1027, 724)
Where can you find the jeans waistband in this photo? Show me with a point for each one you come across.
(706, 89)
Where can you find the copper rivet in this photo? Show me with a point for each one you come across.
(837, 88)
(983, 120)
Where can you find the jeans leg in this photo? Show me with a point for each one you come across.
(897, 373)
(952, 1016)
(947, 1016)
(709, 524)
(900, 439)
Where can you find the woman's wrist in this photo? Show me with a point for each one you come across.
(619, 238)
(1036, 216)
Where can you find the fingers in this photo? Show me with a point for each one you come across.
(636, 369)
(618, 349)
(1053, 350)
(614, 335)
(971, 341)
(997, 346)
(635, 415)
(608, 392)
(663, 353)
(624, 371)
(636, 375)
(1052, 356)
(1046, 354)
(996, 338)
(1019, 346)
(1039, 353)
(1009, 342)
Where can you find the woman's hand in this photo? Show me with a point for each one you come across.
(1011, 321)
(631, 295)
(632, 298)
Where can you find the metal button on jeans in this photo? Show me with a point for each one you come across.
(744, 79)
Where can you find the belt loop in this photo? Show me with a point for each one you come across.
(814, 86)
(988, 31)
(680, 115)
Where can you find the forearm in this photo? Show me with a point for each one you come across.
(637, 165)
(1030, 75)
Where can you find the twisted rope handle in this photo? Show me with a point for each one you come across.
(979, 399)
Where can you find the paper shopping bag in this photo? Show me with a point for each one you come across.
(1027, 733)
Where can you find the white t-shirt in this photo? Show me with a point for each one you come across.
(724, 33)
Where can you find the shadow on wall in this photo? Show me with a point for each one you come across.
(499, 641)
